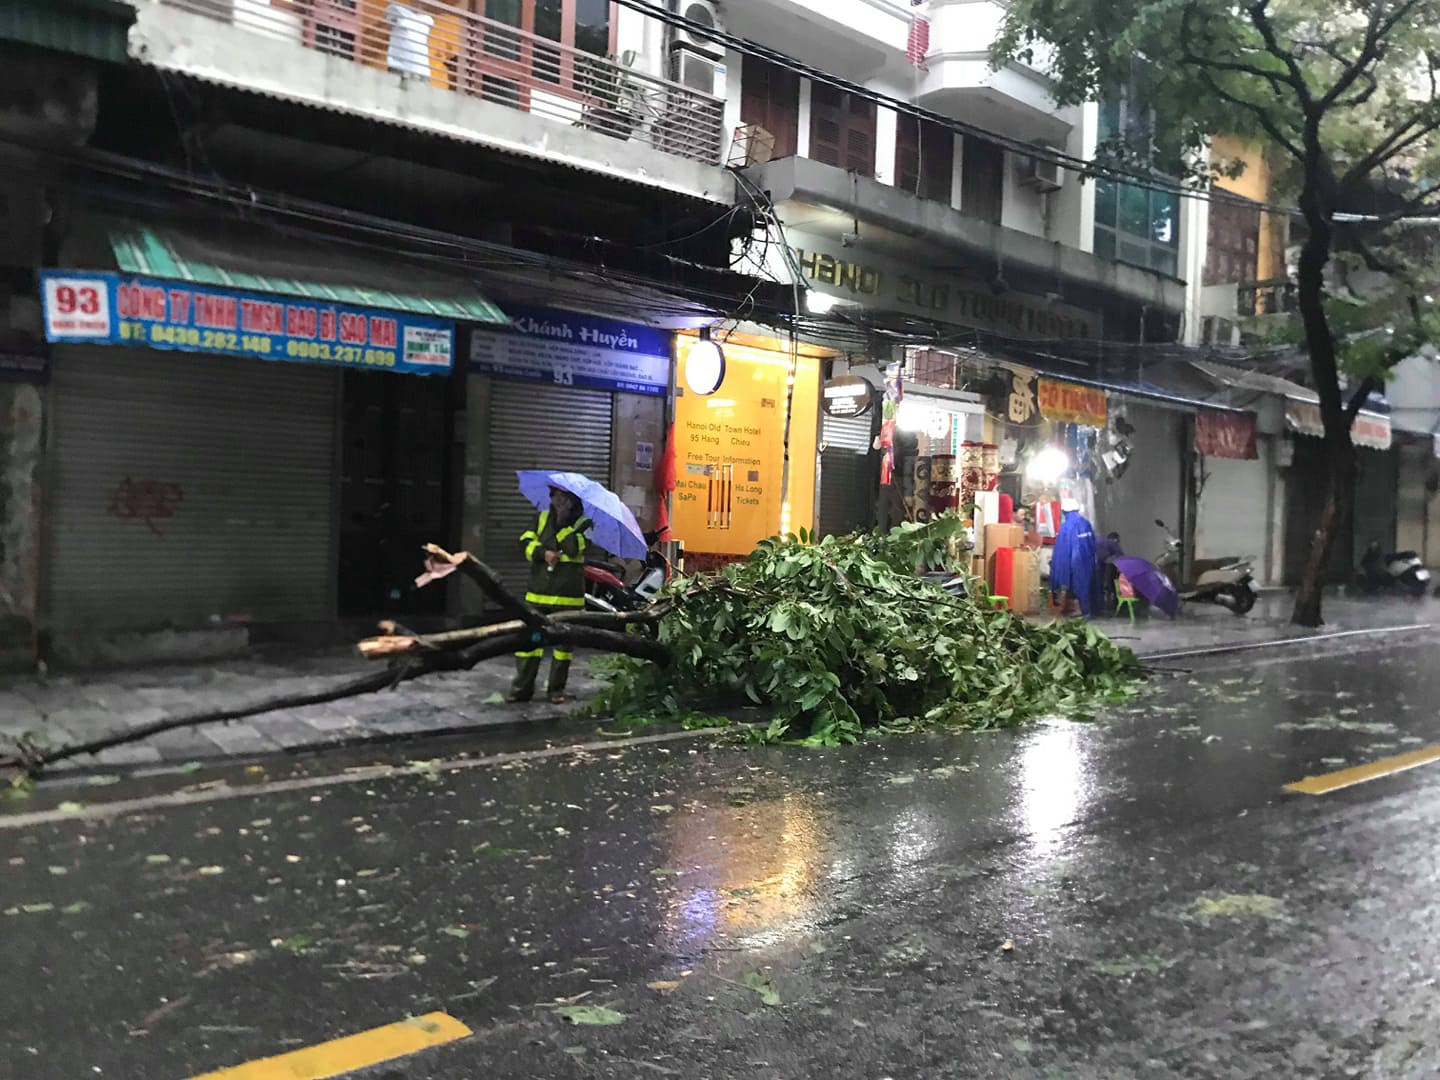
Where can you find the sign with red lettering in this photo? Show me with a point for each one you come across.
(1071, 403)
(111, 309)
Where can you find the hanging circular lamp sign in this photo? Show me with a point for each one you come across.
(704, 366)
(848, 395)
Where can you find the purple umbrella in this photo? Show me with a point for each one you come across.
(1150, 582)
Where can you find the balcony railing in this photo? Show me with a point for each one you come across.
(1273, 297)
(454, 49)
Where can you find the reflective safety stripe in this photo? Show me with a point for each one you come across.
(530, 654)
(555, 601)
(564, 654)
(573, 558)
(530, 550)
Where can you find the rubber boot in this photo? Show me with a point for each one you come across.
(527, 669)
(559, 676)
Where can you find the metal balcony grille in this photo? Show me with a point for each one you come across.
(456, 50)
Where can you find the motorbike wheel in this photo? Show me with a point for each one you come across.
(1412, 585)
(1244, 600)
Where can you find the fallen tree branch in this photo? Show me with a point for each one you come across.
(453, 650)
(441, 563)
(391, 643)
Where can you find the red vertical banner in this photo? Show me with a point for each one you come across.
(1225, 435)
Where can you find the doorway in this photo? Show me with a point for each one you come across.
(396, 433)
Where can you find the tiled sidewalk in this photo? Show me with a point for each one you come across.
(82, 706)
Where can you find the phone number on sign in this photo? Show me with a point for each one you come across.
(341, 354)
(189, 336)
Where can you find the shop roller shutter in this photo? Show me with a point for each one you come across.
(848, 474)
(537, 426)
(1232, 516)
(849, 432)
(187, 486)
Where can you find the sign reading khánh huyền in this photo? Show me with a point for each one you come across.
(569, 349)
(108, 309)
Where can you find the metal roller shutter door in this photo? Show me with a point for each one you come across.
(1234, 508)
(847, 475)
(241, 455)
(536, 426)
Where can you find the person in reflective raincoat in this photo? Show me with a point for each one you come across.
(555, 550)
(1072, 566)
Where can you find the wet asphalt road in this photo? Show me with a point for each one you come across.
(1172, 911)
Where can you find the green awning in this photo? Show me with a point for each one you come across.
(94, 28)
(281, 263)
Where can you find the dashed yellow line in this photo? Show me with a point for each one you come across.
(1360, 774)
(340, 1056)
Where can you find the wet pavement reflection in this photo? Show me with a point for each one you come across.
(1168, 910)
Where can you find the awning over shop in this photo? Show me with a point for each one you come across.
(291, 266)
(1370, 429)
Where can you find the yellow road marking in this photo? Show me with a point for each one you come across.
(340, 1056)
(1359, 774)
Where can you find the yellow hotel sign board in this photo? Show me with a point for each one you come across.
(730, 452)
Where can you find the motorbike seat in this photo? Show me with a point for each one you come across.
(1395, 556)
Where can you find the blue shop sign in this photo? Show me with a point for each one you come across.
(567, 349)
(111, 309)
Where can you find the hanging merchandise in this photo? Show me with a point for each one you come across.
(894, 391)
(1046, 513)
(1116, 455)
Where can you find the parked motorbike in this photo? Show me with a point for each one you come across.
(1228, 582)
(605, 590)
(1399, 571)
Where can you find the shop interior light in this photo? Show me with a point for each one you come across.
(1048, 465)
(705, 365)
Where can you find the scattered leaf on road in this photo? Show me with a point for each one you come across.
(664, 985)
(594, 1015)
(190, 767)
(1008, 945)
(496, 698)
(69, 807)
(156, 860)
(662, 808)
(1236, 905)
(76, 908)
(296, 943)
(456, 931)
(762, 986)
(36, 909)
(664, 871)
(211, 871)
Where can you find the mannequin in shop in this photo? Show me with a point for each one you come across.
(1073, 576)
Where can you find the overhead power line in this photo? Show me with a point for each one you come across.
(1097, 169)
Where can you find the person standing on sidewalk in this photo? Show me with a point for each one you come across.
(555, 549)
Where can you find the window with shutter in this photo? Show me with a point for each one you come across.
(924, 159)
(1232, 253)
(842, 130)
(770, 98)
(982, 180)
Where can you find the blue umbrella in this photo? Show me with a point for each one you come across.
(1150, 582)
(616, 529)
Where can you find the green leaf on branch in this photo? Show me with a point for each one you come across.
(840, 636)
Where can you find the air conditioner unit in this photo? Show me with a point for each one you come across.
(1041, 174)
(707, 14)
(698, 70)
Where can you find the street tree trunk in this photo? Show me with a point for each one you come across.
(1315, 205)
